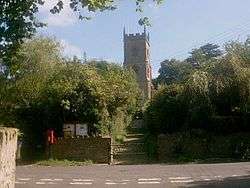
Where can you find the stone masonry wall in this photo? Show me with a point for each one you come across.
(96, 149)
(199, 146)
(8, 144)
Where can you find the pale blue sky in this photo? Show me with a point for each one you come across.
(177, 27)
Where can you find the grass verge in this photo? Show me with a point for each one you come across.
(55, 162)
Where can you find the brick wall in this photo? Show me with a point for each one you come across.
(96, 149)
(8, 144)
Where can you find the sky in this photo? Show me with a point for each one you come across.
(178, 26)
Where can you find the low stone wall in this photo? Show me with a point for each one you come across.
(193, 145)
(8, 144)
(96, 149)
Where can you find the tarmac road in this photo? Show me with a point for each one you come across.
(228, 175)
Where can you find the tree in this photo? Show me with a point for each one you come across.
(47, 91)
(231, 79)
(214, 97)
(17, 22)
(167, 110)
(99, 5)
(173, 71)
(204, 54)
(196, 95)
(122, 96)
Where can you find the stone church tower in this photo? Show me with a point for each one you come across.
(137, 57)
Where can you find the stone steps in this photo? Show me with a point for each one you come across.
(129, 148)
(131, 151)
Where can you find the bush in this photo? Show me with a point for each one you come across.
(47, 90)
(218, 88)
(167, 111)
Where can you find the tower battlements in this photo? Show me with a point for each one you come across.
(136, 36)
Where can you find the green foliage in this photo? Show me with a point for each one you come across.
(205, 54)
(99, 5)
(231, 80)
(161, 114)
(173, 71)
(45, 91)
(150, 146)
(17, 23)
(120, 95)
(64, 163)
(195, 96)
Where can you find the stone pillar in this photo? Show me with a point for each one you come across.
(8, 145)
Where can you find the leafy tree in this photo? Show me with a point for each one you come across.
(47, 91)
(204, 54)
(213, 97)
(231, 79)
(121, 94)
(167, 110)
(17, 22)
(196, 94)
(99, 5)
(173, 71)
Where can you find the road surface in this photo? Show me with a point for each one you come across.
(229, 175)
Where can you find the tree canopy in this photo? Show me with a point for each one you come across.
(177, 71)
(173, 71)
(47, 91)
(204, 54)
(208, 97)
(17, 22)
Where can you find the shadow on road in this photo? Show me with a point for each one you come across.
(232, 182)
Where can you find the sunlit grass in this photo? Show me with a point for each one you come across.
(65, 162)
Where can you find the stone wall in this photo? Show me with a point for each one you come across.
(8, 144)
(96, 149)
(193, 145)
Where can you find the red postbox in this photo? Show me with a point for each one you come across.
(51, 138)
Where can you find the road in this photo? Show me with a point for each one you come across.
(229, 175)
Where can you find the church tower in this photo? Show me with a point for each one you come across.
(137, 57)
